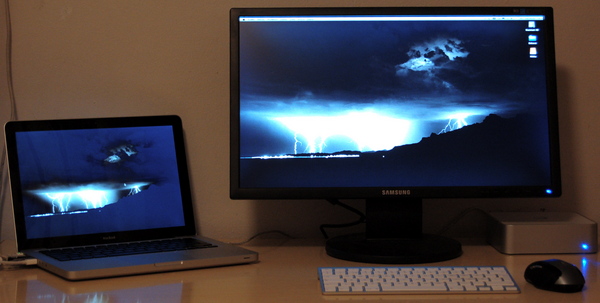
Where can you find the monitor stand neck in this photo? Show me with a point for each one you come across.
(394, 236)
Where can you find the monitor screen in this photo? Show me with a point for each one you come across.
(371, 103)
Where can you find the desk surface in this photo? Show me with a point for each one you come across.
(287, 272)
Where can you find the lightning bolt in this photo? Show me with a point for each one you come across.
(455, 121)
(365, 129)
(91, 198)
(296, 143)
(88, 196)
(60, 201)
(134, 190)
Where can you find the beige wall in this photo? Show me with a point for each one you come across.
(90, 58)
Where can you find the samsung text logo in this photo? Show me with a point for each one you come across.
(395, 192)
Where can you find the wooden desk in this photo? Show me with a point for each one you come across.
(287, 272)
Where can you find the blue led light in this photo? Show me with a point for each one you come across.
(585, 246)
(549, 191)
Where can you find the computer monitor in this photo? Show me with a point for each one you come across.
(393, 105)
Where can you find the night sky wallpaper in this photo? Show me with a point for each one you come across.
(101, 180)
(438, 103)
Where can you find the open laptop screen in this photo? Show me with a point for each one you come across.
(75, 180)
(98, 180)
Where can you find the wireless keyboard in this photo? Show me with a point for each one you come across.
(417, 280)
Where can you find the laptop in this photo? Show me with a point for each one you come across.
(90, 184)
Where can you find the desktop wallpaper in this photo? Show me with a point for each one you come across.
(100, 180)
(372, 104)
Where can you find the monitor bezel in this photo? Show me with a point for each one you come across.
(238, 192)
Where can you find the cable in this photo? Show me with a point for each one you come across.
(260, 234)
(9, 73)
(12, 263)
(459, 217)
(13, 107)
(362, 218)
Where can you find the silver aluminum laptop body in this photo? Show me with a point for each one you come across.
(92, 182)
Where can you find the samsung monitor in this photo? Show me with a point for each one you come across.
(393, 106)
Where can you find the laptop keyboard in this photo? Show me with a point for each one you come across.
(124, 249)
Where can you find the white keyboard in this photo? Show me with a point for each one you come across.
(416, 280)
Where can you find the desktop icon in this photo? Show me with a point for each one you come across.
(533, 52)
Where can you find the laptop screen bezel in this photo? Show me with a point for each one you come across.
(14, 127)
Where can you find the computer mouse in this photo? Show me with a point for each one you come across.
(555, 275)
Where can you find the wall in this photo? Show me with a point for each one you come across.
(90, 58)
